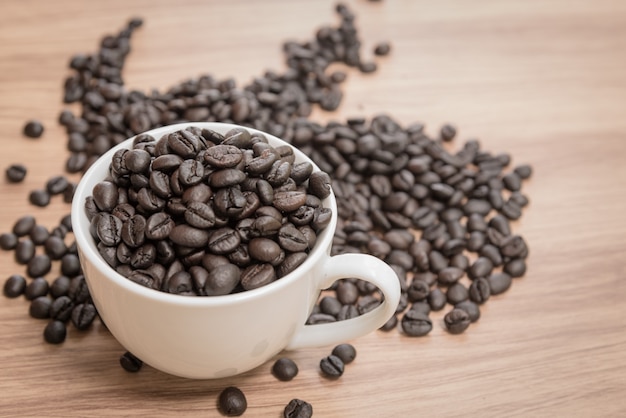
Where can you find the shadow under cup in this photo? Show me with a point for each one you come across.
(219, 336)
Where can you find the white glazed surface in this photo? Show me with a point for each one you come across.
(220, 336)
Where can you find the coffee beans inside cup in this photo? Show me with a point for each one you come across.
(200, 213)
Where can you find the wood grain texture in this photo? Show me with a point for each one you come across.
(543, 80)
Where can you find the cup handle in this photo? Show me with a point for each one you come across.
(361, 266)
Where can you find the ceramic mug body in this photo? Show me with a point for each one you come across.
(219, 336)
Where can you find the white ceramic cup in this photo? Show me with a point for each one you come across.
(219, 336)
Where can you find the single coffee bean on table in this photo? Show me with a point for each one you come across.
(332, 366)
(33, 129)
(55, 332)
(130, 362)
(16, 173)
(14, 286)
(346, 352)
(285, 369)
(232, 402)
(297, 408)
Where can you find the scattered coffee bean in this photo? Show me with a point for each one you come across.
(24, 225)
(8, 241)
(130, 363)
(346, 352)
(83, 315)
(232, 402)
(332, 366)
(15, 173)
(471, 308)
(457, 321)
(37, 287)
(499, 283)
(39, 198)
(416, 324)
(285, 369)
(55, 332)
(297, 408)
(40, 307)
(14, 286)
(33, 129)
(382, 49)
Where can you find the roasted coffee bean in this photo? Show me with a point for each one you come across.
(330, 305)
(83, 315)
(515, 267)
(39, 234)
(130, 363)
(418, 290)
(8, 241)
(320, 318)
(33, 129)
(499, 283)
(39, 265)
(291, 239)
(346, 352)
(448, 132)
(232, 402)
(40, 307)
(158, 226)
(449, 275)
(55, 332)
(482, 267)
(456, 321)
(289, 201)
(222, 279)
(291, 262)
(180, 284)
(457, 293)
(479, 290)
(57, 185)
(61, 308)
(347, 292)
(332, 366)
(415, 323)
(188, 236)
(297, 408)
(78, 291)
(109, 230)
(37, 287)
(24, 225)
(24, 251)
(437, 261)
(60, 287)
(492, 253)
(221, 241)
(320, 184)
(70, 265)
(382, 49)
(223, 156)
(16, 173)
(471, 308)
(105, 195)
(14, 286)
(437, 299)
(285, 369)
(257, 275)
(264, 250)
(513, 246)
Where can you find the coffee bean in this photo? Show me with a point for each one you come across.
(449, 275)
(55, 332)
(457, 293)
(319, 184)
(482, 267)
(24, 251)
(61, 308)
(456, 321)
(83, 315)
(499, 283)
(15, 173)
(297, 408)
(24, 225)
(285, 369)
(346, 352)
(8, 241)
(416, 324)
(40, 307)
(471, 308)
(515, 267)
(60, 287)
(39, 265)
(158, 226)
(418, 290)
(105, 196)
(37, 287)
(382, 49)
(437, 299)
(130, 363)
(257, 275)
(232, 402)
(39, 234)
(264, 250)
(479, 290)
(291, 262)
(14, 286)
(57, 185)
(289, 201)
(109, 230)
(188, 236)
(33, 129)
(70, 265)
(332, 366)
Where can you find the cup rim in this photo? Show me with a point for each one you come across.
(88, 252)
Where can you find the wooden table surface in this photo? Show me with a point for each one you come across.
(542, 80)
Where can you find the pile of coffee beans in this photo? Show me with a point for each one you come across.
(439, 215)
(206, 214)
